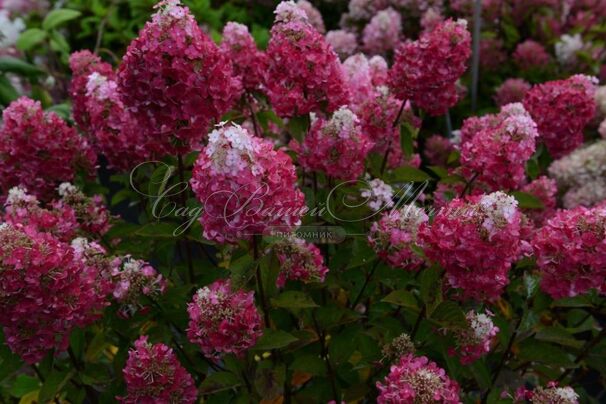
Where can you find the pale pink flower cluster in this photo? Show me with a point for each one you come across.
(377, 195)
(343, 42)
(313, 15)
(382, 33)
(337, 147)
(222, 321)
(395, 237)
(249, 62)
(245, 186)
(358, 76)
(417, 380)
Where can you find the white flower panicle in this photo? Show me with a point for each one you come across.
(231, 149)
(378, 195)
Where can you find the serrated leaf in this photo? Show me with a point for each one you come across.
(274, 339)
(430, 285)
(558, 336)
(408, 174)
(30, 38)
(58, 17)
(293, 300)
(450, 315)
(219, 381)
(54, 383)
(402, 298)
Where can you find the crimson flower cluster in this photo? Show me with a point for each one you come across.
(245, 186)
(299, 261)
(249, 63)
(337, 147)
(153, 374)
(394, 237)
(571, 252)
(425, 71)
(47, 291)
(222, 321)
(305, 71)
(476, 241)
(417, 380)
(38, 150)
(499, 147)
(562, 109)
(175, 81)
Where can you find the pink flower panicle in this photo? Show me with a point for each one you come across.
(377, 115)
(356, 71)
(249, 62)
(245, 186)
(299, 261)
(531, 55)
(38, 150)
(24, 208)
(91, 213)
(153, 374)
(83, 64)
(133, 279)
(475, 242)
(511, 91)
(175, 81)
(382, 33)
(498, 153)
(570, 250)
(305, 71)
(474, 341)
(545, 190)
(394, 237)
(337, 147)
(417, 380)
(223, 321)
(47, 291)
(115, 131)
(561, 110)
(343, 42)
(425, 71)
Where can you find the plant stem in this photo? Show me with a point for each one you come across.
(504, 358)
(255, 248)
(586, 350)
(324, 354)
(417, 325)
(393, 126)
(183, 195)
(253, 116)
(369, 275)
(468, 185)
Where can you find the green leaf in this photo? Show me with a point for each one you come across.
(430, 286)
(63, 110)
(9, 64)
(293, 300)
(54, 383)
(527, 201)
(558, 336)
(58, 17)
(532, 350)
(402, 298)
(274, 339)
(158, 230)
(406, 139)
(7, 92)
(24, 384)
(408, 174)
(219, 381)
(30, 38)
(450, 315)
